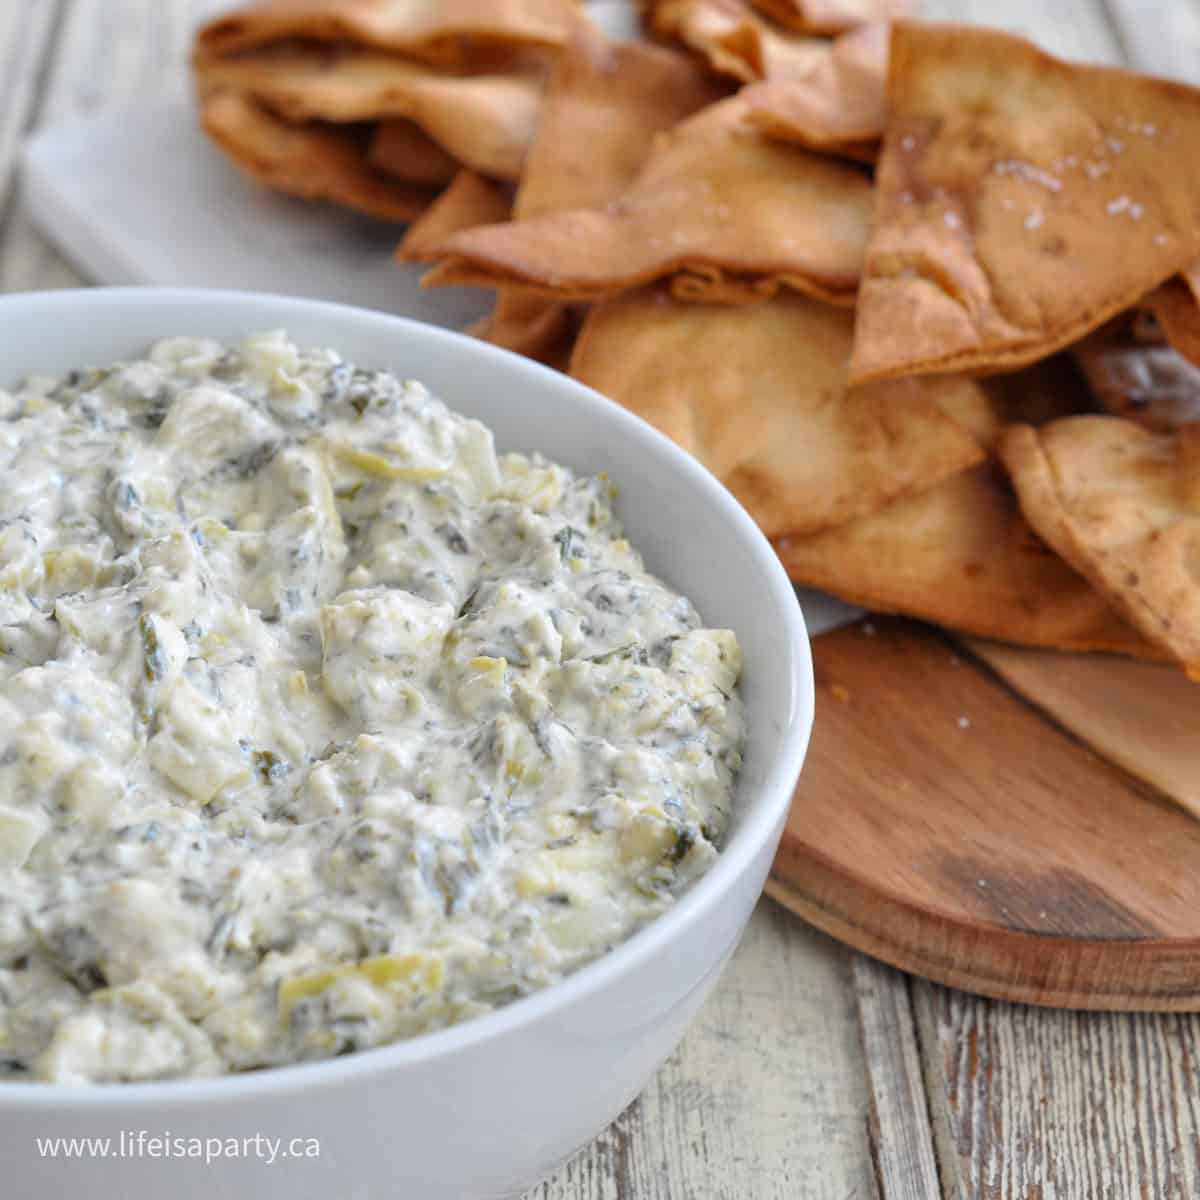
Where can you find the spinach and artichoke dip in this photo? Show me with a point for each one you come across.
(321, 724)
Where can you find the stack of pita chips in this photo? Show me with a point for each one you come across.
(377, 104)
(1024, 206)
(605, 104)
(926, 299)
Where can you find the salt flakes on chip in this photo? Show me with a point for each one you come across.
(1021, 201)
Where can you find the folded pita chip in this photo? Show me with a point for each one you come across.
(1121, 504)
(734, 213)
(839, 105)
(758, 395)
(1021, 201)
(961, 555)
(830, 16)
(444, 32)
(1176, 306)
(469, 201)
(1147, 382)
(403, 150)
(485, 121)
(314, 161)
(604, 104)
(736, 41)
(531, 325)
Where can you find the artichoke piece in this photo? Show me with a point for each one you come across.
(414, 973)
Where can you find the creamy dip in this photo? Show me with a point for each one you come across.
(321, 724)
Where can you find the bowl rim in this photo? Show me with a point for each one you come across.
(767, 814)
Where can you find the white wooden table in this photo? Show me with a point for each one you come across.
(813, 1072)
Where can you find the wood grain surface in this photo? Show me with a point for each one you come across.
(1040, 1121)
(901, 1142)
(1141, 716)
(1029, 1104)
(948, 827)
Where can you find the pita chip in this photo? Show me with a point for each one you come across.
(484, 121)
(531, 325)
(961, 555)
(758, 394)
(313, 161)
(604, 104)
(1120, 504)
(470, 200)
(838, 106)
(1021, 201)
(1176, 306)
(736, 41)
(830, 16)
(403, 150)
(443, 32)
(731, 213)
(1143, 381)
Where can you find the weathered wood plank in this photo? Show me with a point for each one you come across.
(901, 1141)
(1161, 37)
(1032, 1103)
(26, 36)
(766, 1099)
(977, 844)
(106, 53)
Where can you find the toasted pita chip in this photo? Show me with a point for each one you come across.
(839, 106)
(830, 16)
(716, 201)
(445, 32)
(1021, 201)
(1176, 306)
(469, 201)
(314, 161)
(485, 121)
(604, 104)
(961, 555)
(531, 325)
(1046, 391)
(1121, 504)
(1146, 382)
(758, 395)
(736, 41)
(403, 150)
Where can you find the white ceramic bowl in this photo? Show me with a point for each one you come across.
(485, 1109)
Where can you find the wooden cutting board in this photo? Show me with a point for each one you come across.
(1007, 821)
